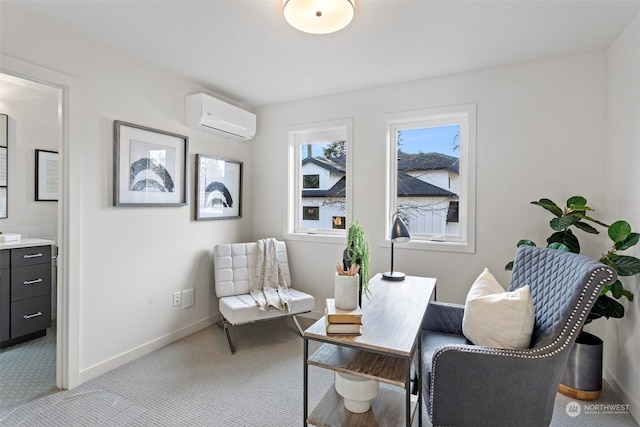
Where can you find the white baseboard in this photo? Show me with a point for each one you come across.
(144, 349)
(634, 407)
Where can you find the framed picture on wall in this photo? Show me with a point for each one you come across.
(218, 188)
(3, 202)
(4, 145)
(3, 166)
(150, 166)
(47, 176)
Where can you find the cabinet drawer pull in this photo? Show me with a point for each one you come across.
(31, 282)
(29, 316)
(32, 255)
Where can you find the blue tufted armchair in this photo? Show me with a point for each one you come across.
(468, 385)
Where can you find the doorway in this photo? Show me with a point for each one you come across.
(34, 126)
(69, 208)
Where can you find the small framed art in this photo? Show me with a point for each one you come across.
(47, 176)
(4, 146)
(150, 166)
(218, 188)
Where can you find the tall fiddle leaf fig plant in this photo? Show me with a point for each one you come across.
(574, 216)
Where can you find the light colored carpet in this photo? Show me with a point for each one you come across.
(88, 408)
(608, 410)
(196, 382)
(28, 370)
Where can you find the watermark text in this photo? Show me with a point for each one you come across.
(574, 409)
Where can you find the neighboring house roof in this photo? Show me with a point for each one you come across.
(427, 161)
(409, 186)
(334, 165)
(406, 162)
(338, 190)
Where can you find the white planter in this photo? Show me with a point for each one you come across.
(346, 291)
(356, 391)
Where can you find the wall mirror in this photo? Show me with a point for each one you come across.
(4, 138)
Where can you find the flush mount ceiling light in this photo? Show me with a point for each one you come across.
(318, 16)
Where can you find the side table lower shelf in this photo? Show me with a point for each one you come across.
(352, 361)
(387, 409)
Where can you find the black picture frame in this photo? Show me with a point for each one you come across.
(218, 188)
(151, 166)
(47, 176)
(4, 166)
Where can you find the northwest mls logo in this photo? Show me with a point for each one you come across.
(606, 408)
(573, 409)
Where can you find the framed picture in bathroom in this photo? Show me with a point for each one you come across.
(4, 146)
(47, 176)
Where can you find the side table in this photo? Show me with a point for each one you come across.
(392, 318)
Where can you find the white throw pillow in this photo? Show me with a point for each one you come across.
(495, 318)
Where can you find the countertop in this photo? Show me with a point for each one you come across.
(25, 242)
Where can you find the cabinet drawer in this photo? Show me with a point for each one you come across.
(30, 256)
(5, 304)
(28, 282)
(4, 258)
(30, 315)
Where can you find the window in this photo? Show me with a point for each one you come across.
(318, 179)
(311, 181)
(339, 222)
(431, 176)
(311, 213)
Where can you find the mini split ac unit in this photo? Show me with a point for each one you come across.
(208, 114)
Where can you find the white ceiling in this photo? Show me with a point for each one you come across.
(245, 51)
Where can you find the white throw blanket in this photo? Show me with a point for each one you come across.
(268, 287)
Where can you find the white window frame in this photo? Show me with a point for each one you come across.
(465, 116)
(297, 136)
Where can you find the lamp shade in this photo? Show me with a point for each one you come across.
(399, 231)
(318, 16)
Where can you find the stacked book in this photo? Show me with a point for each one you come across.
(342, 322)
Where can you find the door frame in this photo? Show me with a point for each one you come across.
(69, 222)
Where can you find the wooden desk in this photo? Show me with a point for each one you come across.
(391, 323)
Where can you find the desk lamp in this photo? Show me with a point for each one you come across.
(399, 234)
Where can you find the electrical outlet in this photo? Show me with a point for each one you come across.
(177, 298)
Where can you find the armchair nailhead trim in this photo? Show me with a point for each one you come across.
(561, 342)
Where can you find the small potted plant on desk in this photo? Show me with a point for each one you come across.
(583, 376)
(357, 252)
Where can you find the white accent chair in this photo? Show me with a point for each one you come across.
(233, 265)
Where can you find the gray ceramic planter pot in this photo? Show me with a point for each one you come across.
(582, 377)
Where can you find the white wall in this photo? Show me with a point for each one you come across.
(622, 343)
(130, 260)
(540, 128)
